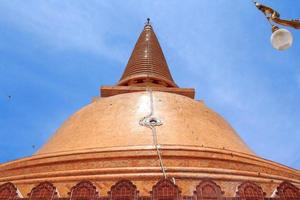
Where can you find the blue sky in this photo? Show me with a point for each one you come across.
(55, 55)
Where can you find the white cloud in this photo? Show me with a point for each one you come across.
(65, 24)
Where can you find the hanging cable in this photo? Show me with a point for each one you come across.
(151, 122)
(158, 152)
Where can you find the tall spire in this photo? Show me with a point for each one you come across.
(147, 65)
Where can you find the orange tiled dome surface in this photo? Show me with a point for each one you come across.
(114, 122)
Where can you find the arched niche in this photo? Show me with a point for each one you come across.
(165, 189)
(288, 191)
(44, 190)
(208, 190)
(84, 190)
(249, 190)
(8, 191)
(123, 190)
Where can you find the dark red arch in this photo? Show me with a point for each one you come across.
(288, 191)
(249, 190)
(165, 189)
(44, 190)
(123, 190)
(8, 191)
(208, 190)
(84, 190)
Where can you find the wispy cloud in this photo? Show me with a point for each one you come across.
(66, 24)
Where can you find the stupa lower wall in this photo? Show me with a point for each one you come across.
(179, 189)
(187, 165)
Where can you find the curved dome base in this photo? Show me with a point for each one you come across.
(188, 165)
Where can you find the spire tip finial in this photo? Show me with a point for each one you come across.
(148, 21)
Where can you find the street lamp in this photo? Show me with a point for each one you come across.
(281, 39)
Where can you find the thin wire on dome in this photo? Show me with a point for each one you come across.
(153, 129)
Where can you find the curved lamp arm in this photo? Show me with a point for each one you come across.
(273, 15)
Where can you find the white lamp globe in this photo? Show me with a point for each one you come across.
(281, 39)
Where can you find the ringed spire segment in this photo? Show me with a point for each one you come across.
(147, 65)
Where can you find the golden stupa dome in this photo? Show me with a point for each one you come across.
(115, 122)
